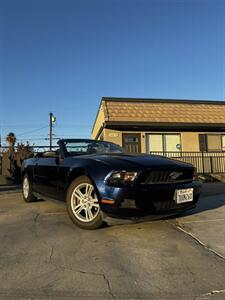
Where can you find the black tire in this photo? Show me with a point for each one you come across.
(97, 221)
(28, 196)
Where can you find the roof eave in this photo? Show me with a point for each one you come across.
(130, 125)
(165, 100)
(96, 117)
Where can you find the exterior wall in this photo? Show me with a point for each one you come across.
(98, 123)
(209, 114)
(143, 142)
(113, 136)
(189, 140)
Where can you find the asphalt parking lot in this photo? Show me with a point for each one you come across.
(44, 256)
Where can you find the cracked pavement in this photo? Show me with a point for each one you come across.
(44, 256)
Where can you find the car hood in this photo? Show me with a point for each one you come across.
(139, 161)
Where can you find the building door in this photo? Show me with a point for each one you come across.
(132, 142)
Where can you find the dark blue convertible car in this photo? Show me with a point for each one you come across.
(98, 179)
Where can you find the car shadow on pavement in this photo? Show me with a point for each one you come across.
(206, 203)
(209, 201)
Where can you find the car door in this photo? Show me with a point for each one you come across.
(46, 176)
(64, 168)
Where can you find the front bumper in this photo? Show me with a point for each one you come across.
(144, 200)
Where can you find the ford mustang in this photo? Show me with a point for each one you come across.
(98, 179)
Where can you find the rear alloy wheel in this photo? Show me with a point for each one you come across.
(27, 190)
(82, 204)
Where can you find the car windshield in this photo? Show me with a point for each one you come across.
(91, 147)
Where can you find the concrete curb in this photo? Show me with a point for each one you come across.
(10, 188)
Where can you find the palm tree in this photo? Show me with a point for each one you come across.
(11, 139)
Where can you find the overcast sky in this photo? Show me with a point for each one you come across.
(63, 56)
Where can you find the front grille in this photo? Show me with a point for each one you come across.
(170, 205)
(167, 176)
(165, 205)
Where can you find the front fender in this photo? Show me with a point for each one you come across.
(95, 171)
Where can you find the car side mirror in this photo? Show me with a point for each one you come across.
(59, 157)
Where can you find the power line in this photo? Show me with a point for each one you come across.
(32, 139)
(54, 138)
(58, 126)
(31, 131)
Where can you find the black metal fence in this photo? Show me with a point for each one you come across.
(204, 162)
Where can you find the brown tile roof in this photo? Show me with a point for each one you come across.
(163, 111)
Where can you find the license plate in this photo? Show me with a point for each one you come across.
(184, 195)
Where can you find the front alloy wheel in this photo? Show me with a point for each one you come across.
(82, 204)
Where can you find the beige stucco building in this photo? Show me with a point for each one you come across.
(155, 125)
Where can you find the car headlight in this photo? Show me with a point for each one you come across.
(120, 177)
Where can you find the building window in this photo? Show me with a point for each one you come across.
(155, 142)
(172, 142)
(214, 142)
(211, 142)
(223, 142)
(164, 142)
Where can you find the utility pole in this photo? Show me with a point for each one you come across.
(52, 120)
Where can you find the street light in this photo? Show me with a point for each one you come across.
(52, 120)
